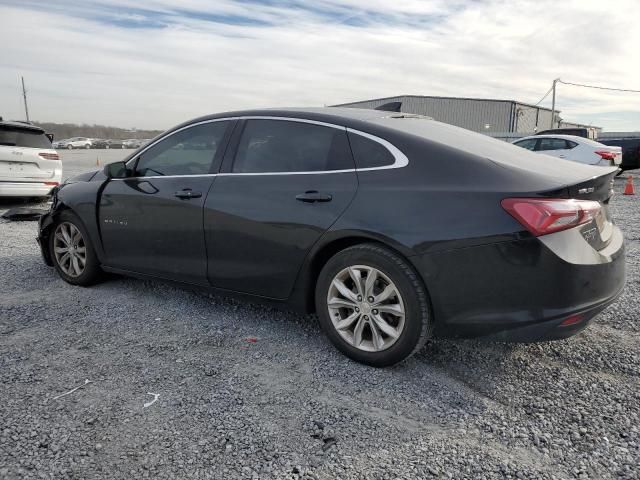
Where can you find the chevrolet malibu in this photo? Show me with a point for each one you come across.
(393, 228)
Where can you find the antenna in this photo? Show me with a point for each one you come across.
(24, 95)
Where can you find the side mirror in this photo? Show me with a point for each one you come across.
(49, 136)
(116, 170)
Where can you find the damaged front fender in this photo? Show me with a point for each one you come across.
(44, 226)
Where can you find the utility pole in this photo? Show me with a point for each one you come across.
(553, 102)
(24, 95)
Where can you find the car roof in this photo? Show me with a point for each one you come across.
(328, 114)
(573, 138)
(21, 125)
(562, 136)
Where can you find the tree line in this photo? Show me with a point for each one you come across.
(68, 130)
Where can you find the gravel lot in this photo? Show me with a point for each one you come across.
(246, 391)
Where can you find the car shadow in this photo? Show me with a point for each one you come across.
(7, 203)
(482, 367)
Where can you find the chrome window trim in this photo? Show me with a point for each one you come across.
(401, 159)
(171, 176)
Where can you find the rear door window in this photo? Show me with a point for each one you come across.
(272, 146)
(552, 144)
(19, 137)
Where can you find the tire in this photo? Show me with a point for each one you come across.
(69, 147)
(91, 272)
(391, 273)
(87, 146)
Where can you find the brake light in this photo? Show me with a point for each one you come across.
(543, 216)
(49, 156)
(606, 155)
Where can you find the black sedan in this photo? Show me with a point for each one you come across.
(98, 143)
(393, 228)
(114, 144)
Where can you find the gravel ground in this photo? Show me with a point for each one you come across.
(245, 391)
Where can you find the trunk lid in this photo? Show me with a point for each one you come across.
(597, 233)
(24, 164)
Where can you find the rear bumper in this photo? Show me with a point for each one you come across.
(519, 291)
(24, 189)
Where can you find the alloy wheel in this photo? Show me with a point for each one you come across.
(366, 308)
(70, 249)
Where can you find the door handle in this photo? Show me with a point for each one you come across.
(187, 193)
(313, 196)
(562, 156)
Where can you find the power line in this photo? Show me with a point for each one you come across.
(545, 96)
(597, 87)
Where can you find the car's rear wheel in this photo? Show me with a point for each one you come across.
(87, 146)
(372, 305)
(72, 252)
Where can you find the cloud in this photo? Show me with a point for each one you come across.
(161, 62)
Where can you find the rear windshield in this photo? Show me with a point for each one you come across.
(588, 141)
(18, 137)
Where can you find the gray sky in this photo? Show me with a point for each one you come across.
(157, 63)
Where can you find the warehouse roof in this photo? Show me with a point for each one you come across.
(445, 98)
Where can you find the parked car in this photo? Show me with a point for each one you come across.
(132, 143)
(630, 150)
(362, 216)
(29, 166)
(114, 144)
(98, 143)
(576, 149)
(75, 142)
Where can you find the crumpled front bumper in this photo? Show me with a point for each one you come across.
(44, 224)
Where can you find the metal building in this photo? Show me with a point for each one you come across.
(477, 114)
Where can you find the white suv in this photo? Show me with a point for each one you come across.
(29, 166)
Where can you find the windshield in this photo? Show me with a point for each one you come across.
(18, 137)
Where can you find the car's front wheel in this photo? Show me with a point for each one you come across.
(372, 305)
(69, 147)
(72, 252)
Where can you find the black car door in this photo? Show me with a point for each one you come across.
(152, 222)
(283, 185)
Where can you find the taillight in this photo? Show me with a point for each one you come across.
(542, 216)
(49, 156)
(606, 155)
(55, 184)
